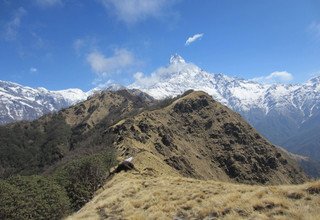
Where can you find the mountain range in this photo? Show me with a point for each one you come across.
(188, 142)
(286, 114)
(25, 103)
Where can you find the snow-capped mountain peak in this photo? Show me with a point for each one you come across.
(72, 96)
(174, 59)
(180, 76)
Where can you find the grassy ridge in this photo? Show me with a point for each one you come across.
(135, 196)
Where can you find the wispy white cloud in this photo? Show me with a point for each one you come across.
(132, 11)
(33, 70)
(38, 41)
(274, 77)
(48, 3)
(84, 44)
(12, 27)
(193, 38)
(314, 28)
(78, 44)
(105, 66)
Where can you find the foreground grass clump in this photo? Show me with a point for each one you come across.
(314, 188)
(130, 196)
(32, 197)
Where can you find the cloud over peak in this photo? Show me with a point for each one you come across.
(193, 38)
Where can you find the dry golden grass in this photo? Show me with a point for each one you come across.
(141, 196)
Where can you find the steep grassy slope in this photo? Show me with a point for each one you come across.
(198, 137)
(141, 196)
(39, 146)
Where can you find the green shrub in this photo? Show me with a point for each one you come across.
(32, 197)
(82, 177)
(27, 148)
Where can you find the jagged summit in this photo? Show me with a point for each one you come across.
(175, 59)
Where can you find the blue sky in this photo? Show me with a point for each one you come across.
(61, 44)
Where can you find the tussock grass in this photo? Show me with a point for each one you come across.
(133, 196)
(314, 188)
